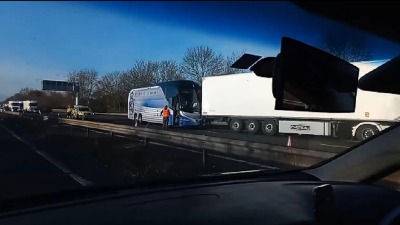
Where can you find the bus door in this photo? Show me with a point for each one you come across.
(174, 104)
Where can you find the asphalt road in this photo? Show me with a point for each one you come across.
(328, 144)
(23, 172)
(40, 157)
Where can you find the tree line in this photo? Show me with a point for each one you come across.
(109, 93)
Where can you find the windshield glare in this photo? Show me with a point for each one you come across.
(127, 61)
(189, 101)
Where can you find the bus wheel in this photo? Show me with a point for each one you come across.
(140, 121)
(236, 125)
(269, 127)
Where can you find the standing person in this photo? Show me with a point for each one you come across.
(165, 113)
(69, 112)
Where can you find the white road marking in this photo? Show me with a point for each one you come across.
(240, 172)
(353, 141)
(335, 146)
(50, 159)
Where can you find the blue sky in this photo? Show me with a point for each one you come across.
(46, 40)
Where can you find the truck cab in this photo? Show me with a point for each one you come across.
(82, 112)
(15, 106)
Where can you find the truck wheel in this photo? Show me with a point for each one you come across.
(236, 125)
(366, 131)
(269, 127)
(252, 126)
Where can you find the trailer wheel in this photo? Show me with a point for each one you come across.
(366, 131)
(269, 127)
(236, 125)
(252, 126)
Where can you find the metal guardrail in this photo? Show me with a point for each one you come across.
(244, 149)
(109, 114)
(113, 114)
(258, 151)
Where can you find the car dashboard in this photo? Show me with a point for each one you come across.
(254, 201)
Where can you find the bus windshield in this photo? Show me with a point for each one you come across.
(190, 101)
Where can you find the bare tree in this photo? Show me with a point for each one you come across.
(25, 91)
(87, 81)
(350, 46)
(202, 61)
(110, 88)
(168, 70)
(230, 59)
(142, 74)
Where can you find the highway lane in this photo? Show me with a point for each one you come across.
(328, 144)
(39, 157)
(23, 172)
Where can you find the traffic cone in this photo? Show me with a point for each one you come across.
(289, 142)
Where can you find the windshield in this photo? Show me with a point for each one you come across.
(190, 101)
(127, 61)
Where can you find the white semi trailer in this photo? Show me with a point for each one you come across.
(30, 106)
(246, 103)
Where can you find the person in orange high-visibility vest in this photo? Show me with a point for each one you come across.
(69, 111)
(165, 113)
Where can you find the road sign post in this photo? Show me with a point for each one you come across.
(53, 85)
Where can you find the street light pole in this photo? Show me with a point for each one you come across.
(76, 90)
